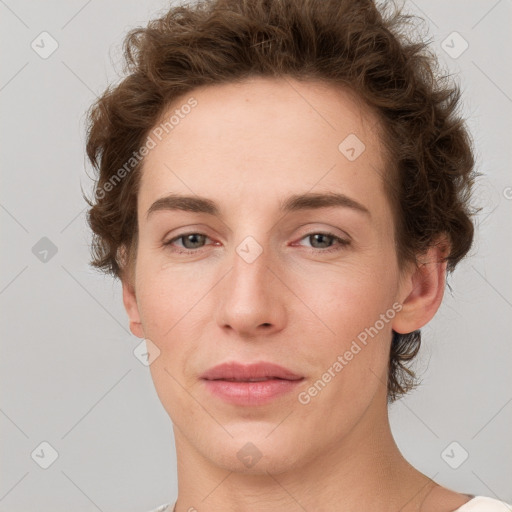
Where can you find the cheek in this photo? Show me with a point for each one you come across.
(349, 297)
(169, 305)
(355, 306)
(164, 296)
(352, 361)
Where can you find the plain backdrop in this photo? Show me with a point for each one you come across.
(69, 377)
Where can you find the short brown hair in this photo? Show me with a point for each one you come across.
(347, 43)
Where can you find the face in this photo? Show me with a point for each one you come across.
(311, 286)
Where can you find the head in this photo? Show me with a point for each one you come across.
(261, 112)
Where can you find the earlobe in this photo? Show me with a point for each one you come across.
(423, 291)
(132, 309)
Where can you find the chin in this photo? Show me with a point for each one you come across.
(256, 451)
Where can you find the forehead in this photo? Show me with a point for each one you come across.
(255, 140)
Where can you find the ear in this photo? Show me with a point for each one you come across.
(129, 296)
(130, 304)
(422, 289)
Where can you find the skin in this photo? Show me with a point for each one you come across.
(248, 146)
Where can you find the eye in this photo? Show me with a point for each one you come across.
(322, 238)
(191, 241)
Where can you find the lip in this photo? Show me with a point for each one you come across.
(231, 382)
(244, 372)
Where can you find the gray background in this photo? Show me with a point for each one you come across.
(68, 373)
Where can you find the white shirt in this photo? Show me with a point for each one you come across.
(477, 504)
(483, 504)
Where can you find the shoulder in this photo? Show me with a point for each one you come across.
(484, 504)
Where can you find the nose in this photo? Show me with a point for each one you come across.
(251, 298)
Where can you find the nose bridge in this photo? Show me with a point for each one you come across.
(252, 239)
(249, 295)
(251, 261)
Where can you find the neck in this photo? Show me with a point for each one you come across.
(363, 471)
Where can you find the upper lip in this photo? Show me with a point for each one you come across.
(244, 372)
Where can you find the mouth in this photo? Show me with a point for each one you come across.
(248, 380)
(254, 372)
(250, 385)
(261, 379)
(250, 392)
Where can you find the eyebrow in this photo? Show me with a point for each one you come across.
(293, 203)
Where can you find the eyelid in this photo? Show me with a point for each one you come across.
(183, 235)
(199, 229)
(315, 228)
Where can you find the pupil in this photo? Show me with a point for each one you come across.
(320, 236)
(190, 238)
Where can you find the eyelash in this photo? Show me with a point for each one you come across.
(342, 243)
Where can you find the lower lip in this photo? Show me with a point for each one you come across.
(250, 393)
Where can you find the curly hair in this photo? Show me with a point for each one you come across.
(352, 44)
